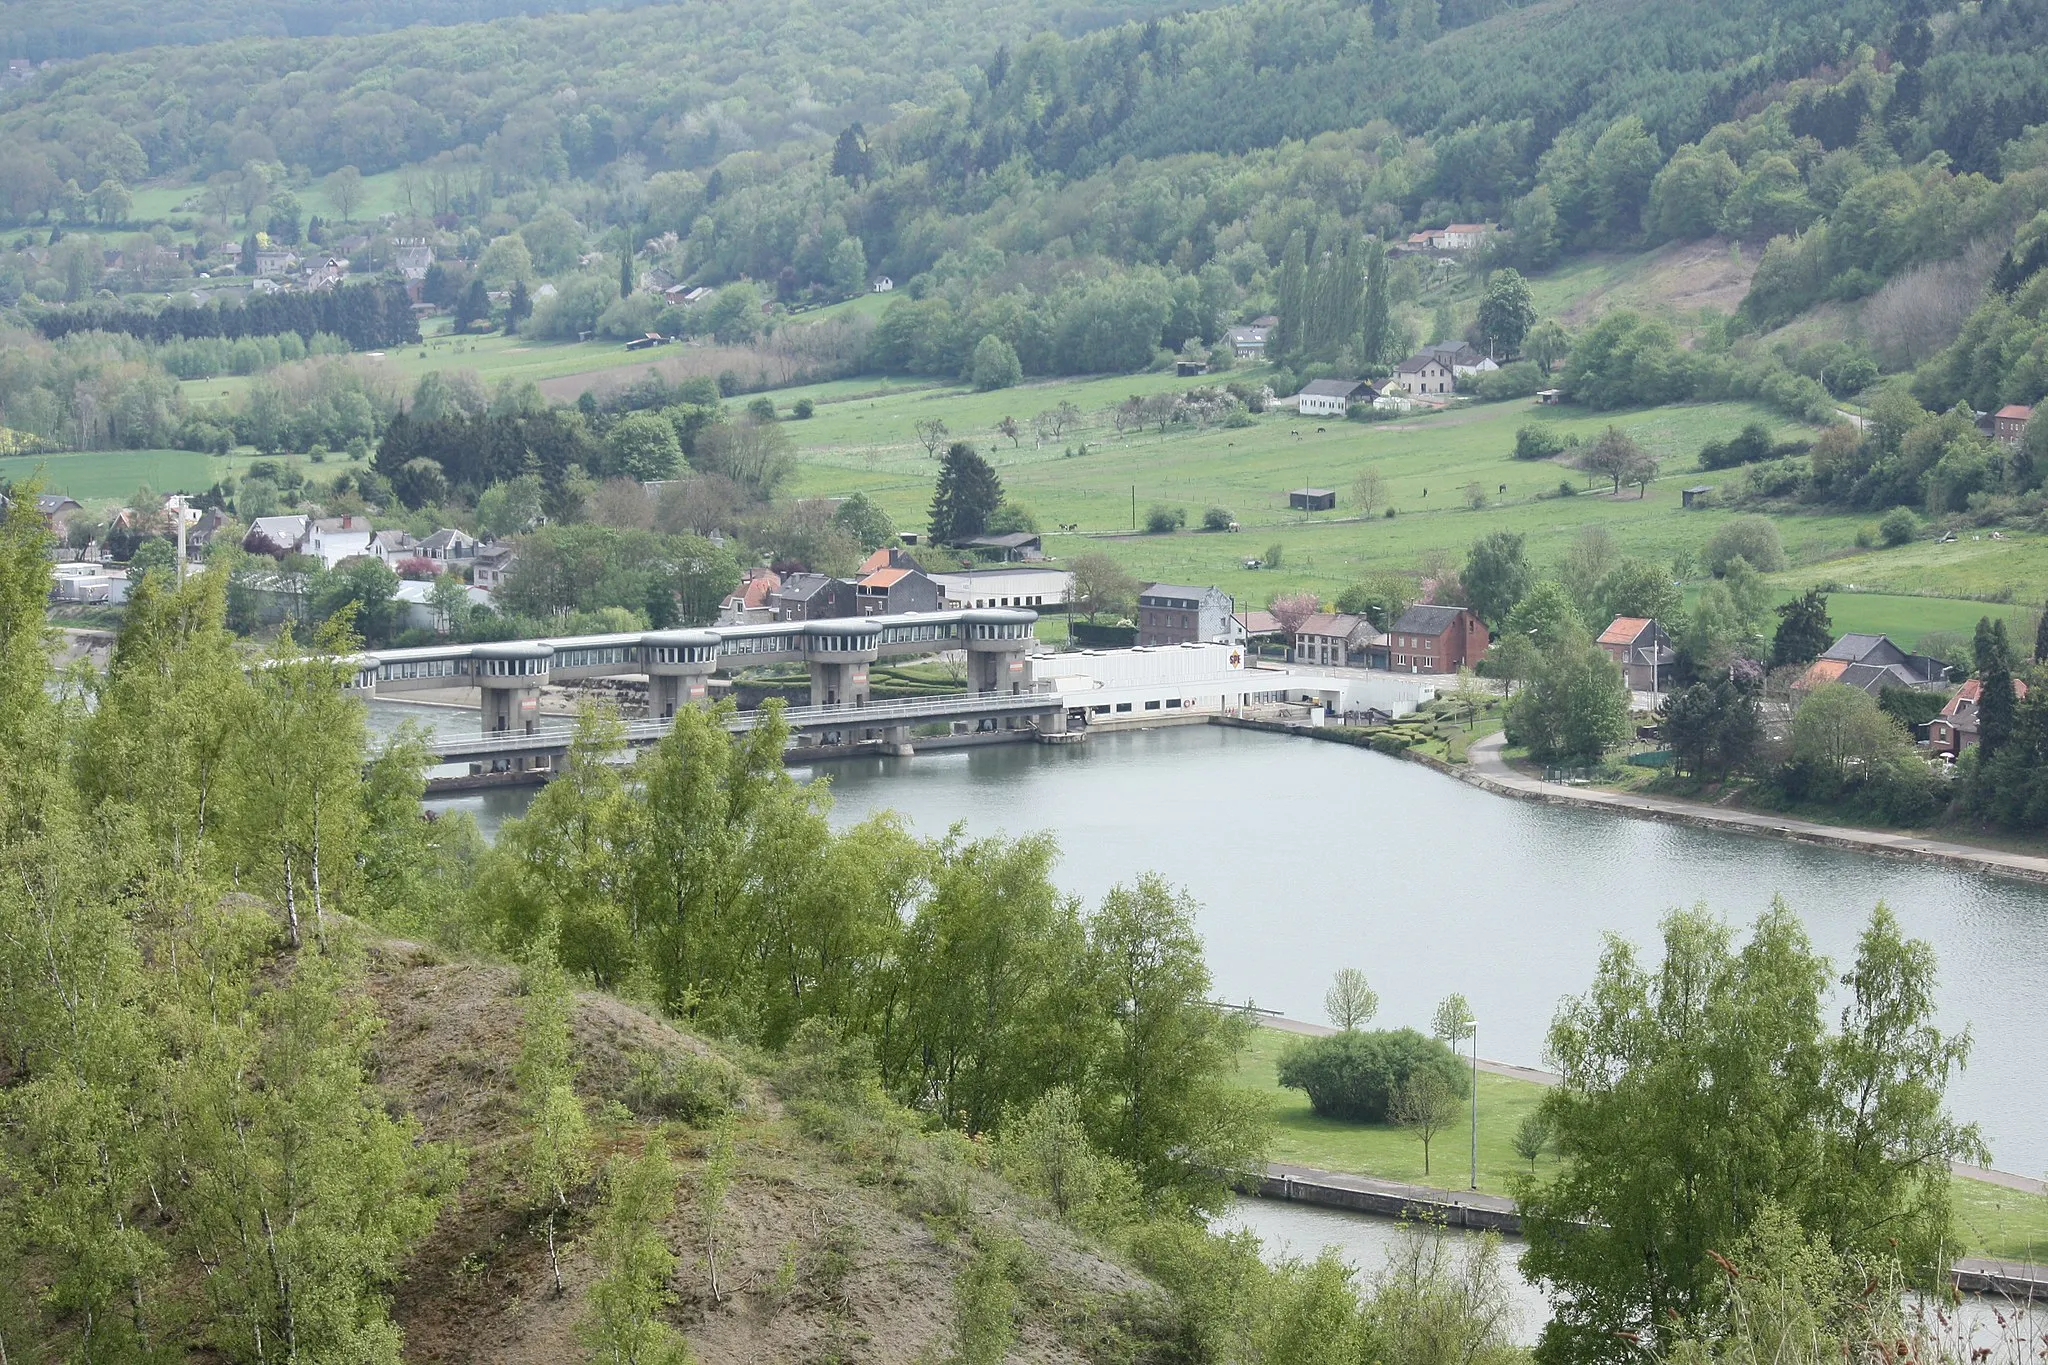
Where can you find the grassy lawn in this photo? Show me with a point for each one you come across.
(1383, 1150)
(2016, 565)
(1906, 619)
(1990, 1219)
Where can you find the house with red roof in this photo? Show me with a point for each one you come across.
(1955, 729)
(1642, 649)
(2009, 423)
(892, 592)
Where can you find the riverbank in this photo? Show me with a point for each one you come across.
(1487, 768)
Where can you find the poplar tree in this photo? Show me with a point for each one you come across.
(1376, 324)
(1287, 338)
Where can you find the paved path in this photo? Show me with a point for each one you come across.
(1486, 768)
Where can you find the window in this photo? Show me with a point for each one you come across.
(1151, 706)
(1123, 706)
(1173, 703)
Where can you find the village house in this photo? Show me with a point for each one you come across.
(748, 604)
(1333, 397)
(333, 539)
(275, 536)
(493, 565)
(894, 592)
(411, 256)
(1170, 614)
(1431, 639)
(1460, 358)
(813, 597)
(1010, 586)
(1423, 373)
(275, 262)
(448, 546)
(883, 284)
(1247, 343)
(1338, 640)
(2009, 423)
(1643, 650)
(1873, 663)
(888, 557)
(393, 545)
(1955, 729)
(1455, 237)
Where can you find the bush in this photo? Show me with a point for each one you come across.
(1565, 489)
(1534, 442)
(994, 364)
(1217, 519)
(1898, 527)
(762, 409)
(1354, 1075)
(1519, 379)
(1866, 537)
(802, 409)
(1271, 559)
(1752, 538)
(1161, 520)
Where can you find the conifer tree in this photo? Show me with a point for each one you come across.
(968, 493)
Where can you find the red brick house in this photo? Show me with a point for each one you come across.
(1642, 649)
(1436, 640)
(2009, 423)
(1955, 729)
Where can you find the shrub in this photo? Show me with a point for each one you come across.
(1390, 514)
(994, 364)
(1898, 527)
(1534, 442)
(1567, 489)
(1355, 1075)
(1517, 379)
(1866, 537)
(1161, 520)
(802, 409)
(1217, 519)
(1271, 559)
(762, 409)
(1752, 538)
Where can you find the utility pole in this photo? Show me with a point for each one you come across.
(1474, 1025)
(1134, 507)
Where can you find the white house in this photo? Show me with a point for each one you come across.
(393, 545)
(1006, 587)
(420, 611)
(333, 539)
(883, 284)
(1463, 359)
(1333, 397)
(1247, 343)
(1423, 373)
(278, 536)
(1337, 640)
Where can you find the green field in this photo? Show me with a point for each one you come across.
(1991, 1220)
(99, 476)
(157, 202)
(1907, 619)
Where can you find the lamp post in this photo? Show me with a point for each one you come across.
(1472, 1026)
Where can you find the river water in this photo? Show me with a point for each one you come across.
(1306, 857)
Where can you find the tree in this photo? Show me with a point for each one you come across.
(110, 202)
(1574, 706)
(1367, 490)
(1350, 1003)
(1356, 1075)
(1804, 631)
(1699, 1094)
(1453, 1020)
(506, 262)
(2041, 638)
(516, 506)
(626, 1323)
(1547, 344)
(1714, 725)
(473, 306)
(644, 446)
(1751, 538)
(851, 160)
(1426, 1105)
(1545, 615)
(968, 492)
(863, 519)
(1050, 423)
(1532, 1138)
(931, 434)
(1008, 427)
(994, 365)
(1635, 587)
(1506, 314)
(557, 1152)
(1291, 609)
(345, 191)
(154, 555)
(1101, 585)
(359, 595)
(1376, 327)
(1615, 456)
(518, 307)
(1497, 575)
(1997, 704)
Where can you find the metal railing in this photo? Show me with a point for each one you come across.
(639, 732)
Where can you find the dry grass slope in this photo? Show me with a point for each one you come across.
(843, 1229)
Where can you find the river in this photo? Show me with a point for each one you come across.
(1307, 857)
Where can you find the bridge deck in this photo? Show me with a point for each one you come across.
(553, 739)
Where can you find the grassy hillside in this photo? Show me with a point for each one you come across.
(843, 1232)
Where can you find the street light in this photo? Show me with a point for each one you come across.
(1472, 1027)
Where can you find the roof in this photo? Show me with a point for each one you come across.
(1334, 388)
(330, 525)
(1342, 624)
(1623, 630)
(1418, 362)
(1466, 227)
(888, 557)
(803, 585)
(885, 578)
(757, 585)
(1176, 590)
(47, 503)
(1856, 648)
(446, 537)
(1012, 540)
(1246, 334)
(1428, 620)
(491, 554)
(2016, 411)
(1972, 691)
(1313, 492)
(1823, 671)
(1259, 622)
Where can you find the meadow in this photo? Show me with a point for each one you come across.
(109, 475)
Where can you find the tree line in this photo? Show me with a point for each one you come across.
(368, 317)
